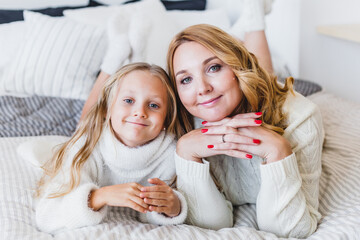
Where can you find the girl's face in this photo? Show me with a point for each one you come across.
(207, 87)
(139, 110)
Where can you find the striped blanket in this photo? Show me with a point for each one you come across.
(339, 192)
(38, 115)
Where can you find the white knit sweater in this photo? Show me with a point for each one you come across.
(110, 163)
(285, 192)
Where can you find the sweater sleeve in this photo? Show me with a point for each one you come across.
(287, 203)
(207, 207)
(71, 210)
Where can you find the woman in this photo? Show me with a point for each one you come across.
(262, 141)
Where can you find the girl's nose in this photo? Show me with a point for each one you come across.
(140, 112)
(204, 86)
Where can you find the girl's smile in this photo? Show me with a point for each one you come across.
(139, 110)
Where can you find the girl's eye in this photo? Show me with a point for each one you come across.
(153, 105)
(215, 68)
(185, 80)
(128, 101)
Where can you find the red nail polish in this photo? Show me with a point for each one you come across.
(258, 121)
(210, 146)
(248, 156)
(204, 130)
(257, 141)
(204, 122)
(258, 113)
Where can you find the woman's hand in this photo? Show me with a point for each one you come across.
(121, 195)
(200, 143)
(161, 198)
(244, 141)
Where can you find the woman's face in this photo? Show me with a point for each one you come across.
(207, 87)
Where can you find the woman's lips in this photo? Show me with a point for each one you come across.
(211, 101)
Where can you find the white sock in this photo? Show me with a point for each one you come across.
(252, 17)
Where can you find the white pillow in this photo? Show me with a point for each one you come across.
(37, 4)
(216, 17)
(11, 36)
(99, 16)
(111, 2)
(58, 57)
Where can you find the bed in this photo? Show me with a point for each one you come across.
(32, 107)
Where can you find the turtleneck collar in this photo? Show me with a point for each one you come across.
(136, 161)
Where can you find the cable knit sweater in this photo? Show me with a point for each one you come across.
(285, 192)
(110, 163)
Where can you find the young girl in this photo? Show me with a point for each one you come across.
(125, 142)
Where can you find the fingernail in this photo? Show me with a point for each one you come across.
(142, 189)
(248, 156)
(257, 141)
(258, 121)
(210, 146)
(258, 113)
(204, 130)
(204, 122)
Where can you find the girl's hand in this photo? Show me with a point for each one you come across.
(200, 143)
(161, 198)
(121, 195)
(243, 142)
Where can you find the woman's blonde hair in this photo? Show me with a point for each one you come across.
(261, 91)
(94, 122)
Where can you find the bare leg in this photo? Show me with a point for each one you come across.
(256, 43)
(94, 94)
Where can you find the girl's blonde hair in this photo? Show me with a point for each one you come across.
(94, 122)
(261, 91)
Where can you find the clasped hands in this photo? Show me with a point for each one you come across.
(158, 198)
(241, 136)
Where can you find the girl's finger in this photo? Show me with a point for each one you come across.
(158, 209)
(139, 201)
(156, 181)
(156, 202)
(154, 195)
(156, 188)
(137, 207)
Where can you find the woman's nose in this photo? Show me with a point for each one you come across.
(204, 86)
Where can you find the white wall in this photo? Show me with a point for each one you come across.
(331, 62)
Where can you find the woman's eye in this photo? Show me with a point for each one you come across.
(128, 101)
(215, 68)
(153, 105)
(185, 80)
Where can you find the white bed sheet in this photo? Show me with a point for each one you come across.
(339, 192)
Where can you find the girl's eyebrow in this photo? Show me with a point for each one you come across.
(204, 62)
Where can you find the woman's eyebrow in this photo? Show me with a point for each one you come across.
(209, 59)
(204, 62)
